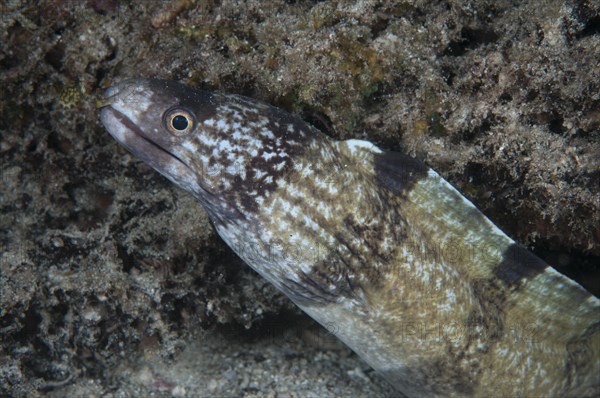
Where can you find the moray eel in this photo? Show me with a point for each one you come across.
(413, 278)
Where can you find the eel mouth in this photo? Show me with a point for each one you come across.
(132, 137)
(127, 132)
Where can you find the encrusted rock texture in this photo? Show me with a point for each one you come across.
(104, 263)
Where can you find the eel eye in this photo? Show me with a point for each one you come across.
(179, 121)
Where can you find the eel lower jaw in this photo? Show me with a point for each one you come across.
(128, 134)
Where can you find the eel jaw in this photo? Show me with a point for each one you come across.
(132, 137)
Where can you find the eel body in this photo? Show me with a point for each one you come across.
(413, 278)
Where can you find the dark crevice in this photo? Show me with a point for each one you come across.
(126, 258)
(592, 27)
(470, 39)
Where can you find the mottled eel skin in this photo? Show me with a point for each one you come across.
(410, 274)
